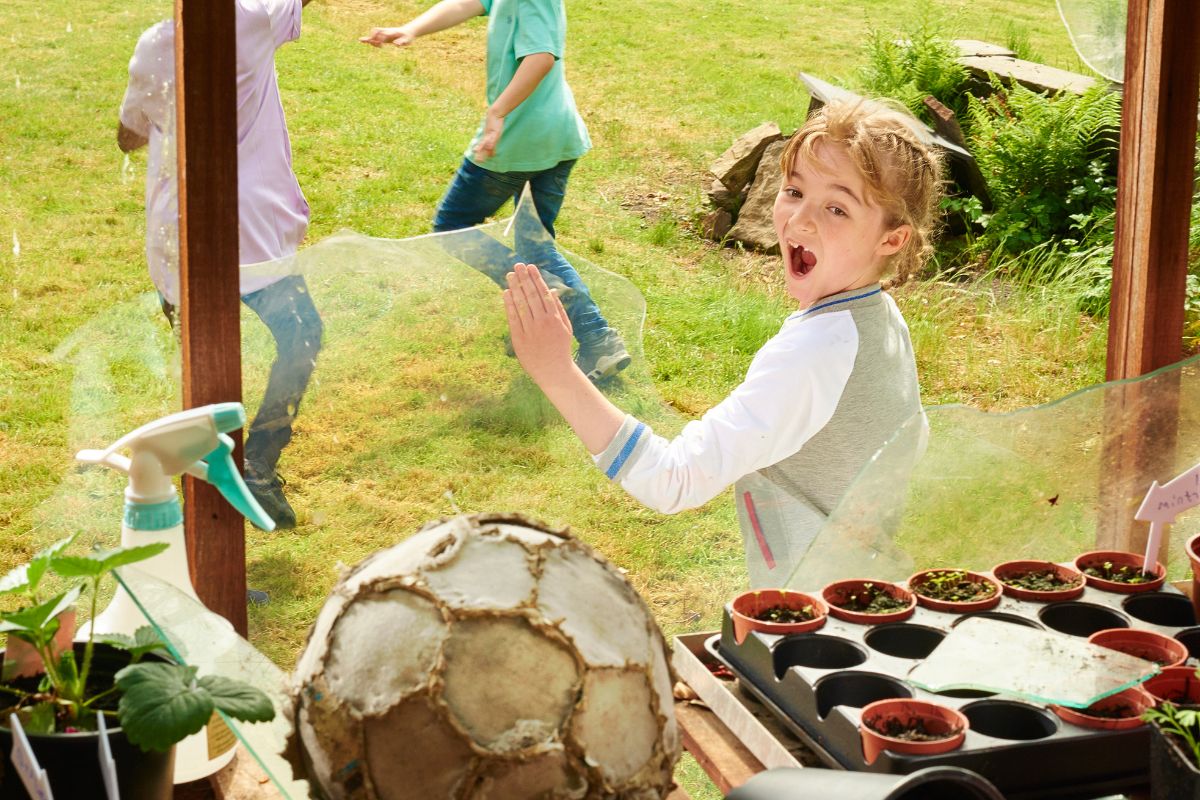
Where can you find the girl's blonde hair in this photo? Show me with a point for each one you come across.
(898, 163)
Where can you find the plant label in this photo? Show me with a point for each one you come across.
(31, 772)
(1164, 503)
(108, 767)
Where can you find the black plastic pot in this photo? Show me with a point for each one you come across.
(1173, 775)
(72, 760)
(933, 783)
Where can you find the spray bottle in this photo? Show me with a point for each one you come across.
(191, 441)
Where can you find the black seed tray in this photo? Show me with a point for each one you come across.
(817, 683)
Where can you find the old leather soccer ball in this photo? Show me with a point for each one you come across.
(485, 657)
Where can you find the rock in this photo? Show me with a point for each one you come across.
(716, 224)
(720, 196)
(737, 164)
(755, 225)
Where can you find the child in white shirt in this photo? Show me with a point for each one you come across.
(859, 196)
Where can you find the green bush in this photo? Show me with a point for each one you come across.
(925, 64)
(1049, 164)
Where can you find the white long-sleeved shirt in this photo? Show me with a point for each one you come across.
(272, 212)
(819, 399)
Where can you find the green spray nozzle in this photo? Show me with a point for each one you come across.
(191, 441)
(227, 417)
(223, 474)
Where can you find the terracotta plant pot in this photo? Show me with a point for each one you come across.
(1136, 700)
(748, 606)
(1015, 569)
(1118, 559)
(1192, 548)
(956, 606)
(936, 719)
(1178, 685)
(1142, 644)
(840, 592)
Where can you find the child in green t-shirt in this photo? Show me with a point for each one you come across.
(531, 134)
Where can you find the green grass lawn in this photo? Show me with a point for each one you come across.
(402, 427)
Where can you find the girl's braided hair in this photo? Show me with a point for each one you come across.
(898, 163)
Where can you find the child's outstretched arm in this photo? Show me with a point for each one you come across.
(541, 337)
(445, 14)
(532, 69)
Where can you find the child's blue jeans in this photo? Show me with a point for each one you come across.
(477, 193)
(287, 309)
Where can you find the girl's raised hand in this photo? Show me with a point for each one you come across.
(541, 332)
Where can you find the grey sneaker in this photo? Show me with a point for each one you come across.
(269, 494)
(603, 358)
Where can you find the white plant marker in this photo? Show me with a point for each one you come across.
(31, 772)
(108, 767)
(1163, 504)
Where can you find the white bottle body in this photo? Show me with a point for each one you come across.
(122, 615)
(194, 758)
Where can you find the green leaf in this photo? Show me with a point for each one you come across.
(27, 576)
(238, 699)
(37, 617)
(39, 719)
(99, 562)
(16, 580)
(144, 641)
(68, 668)
(162, 704)
(120, 641)
(146, 638)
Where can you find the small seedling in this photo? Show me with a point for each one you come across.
(786, 614)
(1181, 724)
(871, 599)
(911, 729)
(1042, 580)
(1125, 573)
(955, 586)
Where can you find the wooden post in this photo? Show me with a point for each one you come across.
(1154, 196)
(1155, 183)
(206, 104)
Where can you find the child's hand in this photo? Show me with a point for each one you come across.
(541, 332)
(378, 37)
(493, 126)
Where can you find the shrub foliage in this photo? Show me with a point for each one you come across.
(1050, 165)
